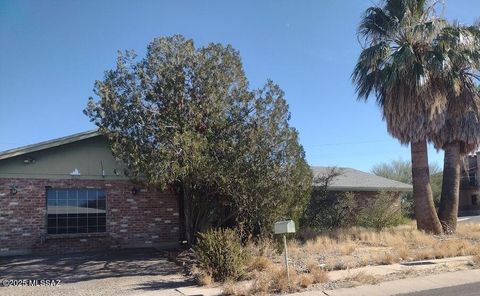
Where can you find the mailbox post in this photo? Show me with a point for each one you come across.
(284, 227)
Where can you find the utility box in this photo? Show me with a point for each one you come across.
(283, 227)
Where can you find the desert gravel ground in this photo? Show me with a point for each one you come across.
(129, 272)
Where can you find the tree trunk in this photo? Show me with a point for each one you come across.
(448, 209)
(187, 213)
(427, 219)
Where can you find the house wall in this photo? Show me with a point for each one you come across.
(465, 204)
(470, 186)
(88, 156)
(149, 218)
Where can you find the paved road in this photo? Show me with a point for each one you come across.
(463, 290)
(469, 219)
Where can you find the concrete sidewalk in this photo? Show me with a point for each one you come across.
(383, 270)
(403, 286)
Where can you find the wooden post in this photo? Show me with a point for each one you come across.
(286, 257)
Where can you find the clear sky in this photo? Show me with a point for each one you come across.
(51, 52)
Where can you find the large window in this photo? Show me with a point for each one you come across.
(75, 211)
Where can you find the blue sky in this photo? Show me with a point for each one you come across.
(51, 52)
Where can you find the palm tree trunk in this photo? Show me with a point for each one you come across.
(427, 219)
(448, 209)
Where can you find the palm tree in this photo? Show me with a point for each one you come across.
(460, 134)
(398, 64)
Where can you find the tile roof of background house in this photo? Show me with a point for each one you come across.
(355, 180)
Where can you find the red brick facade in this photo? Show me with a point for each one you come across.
(148, 218)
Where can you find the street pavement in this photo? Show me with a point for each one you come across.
(463, 290)
(469, 219)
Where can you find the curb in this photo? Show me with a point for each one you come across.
(403, 286)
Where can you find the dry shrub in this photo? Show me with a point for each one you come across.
(263, 247)
(385, 258)
(469, 231)
(319, 275)
(220, 254)
(305, 280)
(347, 248)
(279, 281)
(476, 260)
(259, 263)
(319, 245)
(362, 278)
(201, 277)
(275, 280)
(230, 288)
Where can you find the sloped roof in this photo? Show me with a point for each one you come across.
(48, 144)
(355, 180)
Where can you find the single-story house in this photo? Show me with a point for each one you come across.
(71, 195)
(364, 185)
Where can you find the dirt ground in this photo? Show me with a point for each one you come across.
(127, 272)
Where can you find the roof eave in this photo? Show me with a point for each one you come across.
(346, 189)
(48, 144)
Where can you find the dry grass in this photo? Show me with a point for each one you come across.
(362, 278)
(275, 280)
(202, 277)
(476, 261)
(259, 263)
(346, 249)
(356, 247)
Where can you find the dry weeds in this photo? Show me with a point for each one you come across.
(350, 248)
(357, 247)
(362, 278)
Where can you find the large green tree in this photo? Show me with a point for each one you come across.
(398, 64)
(460, 45)
(183, 117)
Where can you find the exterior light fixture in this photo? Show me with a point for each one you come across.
(135, 190)
(28, 160)
(13, 190)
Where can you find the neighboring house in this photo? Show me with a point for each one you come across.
(469, 201)
(71, 195)
(365, 186)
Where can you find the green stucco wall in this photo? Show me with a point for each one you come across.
(87, 156)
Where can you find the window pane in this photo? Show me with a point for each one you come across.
(61, 230)
(52, 223)
(62, 222)
(76, 211)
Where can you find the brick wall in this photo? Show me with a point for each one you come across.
(149, 218)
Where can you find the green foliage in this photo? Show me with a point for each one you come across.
(328, 210)
(401, 170)
(383, 211)
(184, 116)
(400, 65)
(219, 253)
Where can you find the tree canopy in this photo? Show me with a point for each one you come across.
(185, 117)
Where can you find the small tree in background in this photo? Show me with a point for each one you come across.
(184, 116)
(401, 171)
(382, 212)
